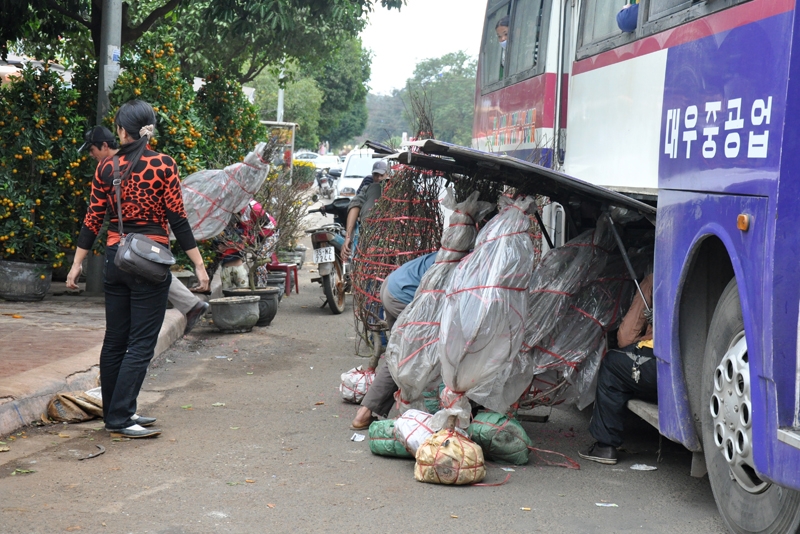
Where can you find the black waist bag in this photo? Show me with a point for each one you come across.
(138, 254)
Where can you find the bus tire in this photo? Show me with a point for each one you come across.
(747, 504)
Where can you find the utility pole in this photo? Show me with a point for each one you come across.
(279, 118)
(110, 42)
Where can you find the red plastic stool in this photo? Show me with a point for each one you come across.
(287, 268)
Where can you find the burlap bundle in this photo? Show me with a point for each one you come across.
(75, 406)
(501, 438)
(383, 442)
(447, 457)
(355, 384)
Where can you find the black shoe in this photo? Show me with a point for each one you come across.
(600, 453)
(143, 421)
(194, 315)
(133, 431)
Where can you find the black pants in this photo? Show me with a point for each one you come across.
(134, 314)
(615, 387)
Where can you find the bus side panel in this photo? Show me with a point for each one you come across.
(614, 115)
(684, 221)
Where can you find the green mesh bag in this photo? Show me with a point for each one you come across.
(502, 439)
(382, 441)
(431, 399)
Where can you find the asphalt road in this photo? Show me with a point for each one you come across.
(277, 457)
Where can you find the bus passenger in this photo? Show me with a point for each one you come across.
(628, 17)
(502, 37)
(626, 373)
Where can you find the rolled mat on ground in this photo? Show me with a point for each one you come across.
(383, 442)
(502, 438)
(447, 457)
(355, 384)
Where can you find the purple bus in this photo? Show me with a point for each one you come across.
(696, 111)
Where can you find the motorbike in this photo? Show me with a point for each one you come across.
(325, 183)
(327, 242)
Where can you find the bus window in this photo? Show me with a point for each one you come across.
(662, 8)
(526, 33)
(493, 64)
(600, 20)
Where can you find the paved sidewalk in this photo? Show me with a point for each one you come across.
(54, 345)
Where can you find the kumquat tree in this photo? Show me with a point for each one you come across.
(44, 181)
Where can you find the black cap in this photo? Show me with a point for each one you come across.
(97, 135)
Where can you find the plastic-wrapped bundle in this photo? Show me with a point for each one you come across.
(597, 309)
(355, 384)
(484, 314)
(412, 428)
(448, 457)
(383, 442)
(559, 277)
(411, 353)
(502, 438)
(212, 196)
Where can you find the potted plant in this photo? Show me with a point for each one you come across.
(44, 181)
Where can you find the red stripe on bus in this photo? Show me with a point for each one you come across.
(719, 22)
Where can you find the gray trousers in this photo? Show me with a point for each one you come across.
(180, 296)
(380, 396)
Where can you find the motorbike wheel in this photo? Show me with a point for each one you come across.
(333, 286)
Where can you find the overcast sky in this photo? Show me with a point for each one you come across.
(420, 30)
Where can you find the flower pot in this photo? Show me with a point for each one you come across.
(267, 306)
(24, 281)
(187, 278)
(235, 314)
(277, 279)
(300, 251)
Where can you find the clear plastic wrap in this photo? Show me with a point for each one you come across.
(575, 351)
(482, 325)
(412, 429)
(560, 275)
(411, 353)
(212, 196)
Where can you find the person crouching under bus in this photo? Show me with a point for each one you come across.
(625, 373)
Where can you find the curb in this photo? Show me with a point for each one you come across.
(26, 400)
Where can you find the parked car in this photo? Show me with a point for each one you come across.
(306, 155)
(327, 162)
(357, 166)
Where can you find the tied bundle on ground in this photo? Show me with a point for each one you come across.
(412, 429)
(404, 223)
(502, 438)
(383, 442)
(411, 353)
(448, 457)
(355, 384)
(484, 315)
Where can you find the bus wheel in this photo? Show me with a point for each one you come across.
(747, 503)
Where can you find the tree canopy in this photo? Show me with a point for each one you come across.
(239, 37)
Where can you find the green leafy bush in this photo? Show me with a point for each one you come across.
(44, 182)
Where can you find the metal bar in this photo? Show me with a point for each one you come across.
(544, 230)
(627, 260)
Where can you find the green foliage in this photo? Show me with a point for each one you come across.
(233, 125)
(343, 80)
(449, 84)
(303, 172)
(151, 72)
(386, 118)
(302, 104)
(44, 182)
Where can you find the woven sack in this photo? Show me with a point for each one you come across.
(75, 406)
(502, 439)
(382, 441)
(447, 457)
(355, 384)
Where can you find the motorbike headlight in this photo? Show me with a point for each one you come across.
(347, 192)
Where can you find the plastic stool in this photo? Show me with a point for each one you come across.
(287, 268)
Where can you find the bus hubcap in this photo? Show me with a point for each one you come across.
(731, 411)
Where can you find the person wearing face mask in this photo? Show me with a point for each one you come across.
(501, 28)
